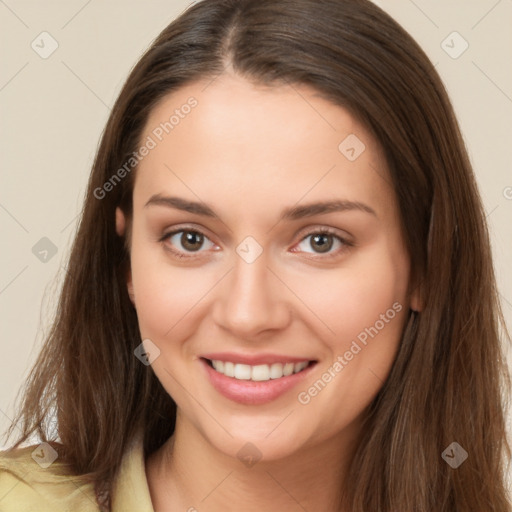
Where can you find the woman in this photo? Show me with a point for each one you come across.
(281, 293)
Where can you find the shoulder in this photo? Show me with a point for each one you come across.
(33, 478)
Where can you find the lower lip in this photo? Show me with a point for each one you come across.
(249, 392)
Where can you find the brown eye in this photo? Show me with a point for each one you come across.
(321, 242)
(186, 241)
(191, 240)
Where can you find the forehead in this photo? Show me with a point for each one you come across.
(228, 136)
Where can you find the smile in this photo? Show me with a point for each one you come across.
(257, 373)
(263, 381)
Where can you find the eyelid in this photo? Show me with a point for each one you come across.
(313, 230)
(186, 227)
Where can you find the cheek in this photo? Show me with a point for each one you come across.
(356, 297)
(163, 293)
(172, 302)
(166, 305)
(365, 306)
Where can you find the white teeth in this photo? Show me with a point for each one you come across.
(288, 369)
(218, 365)
(242, 372)
(229, 369)
(276, 371)
(299, 367)
(260, 372)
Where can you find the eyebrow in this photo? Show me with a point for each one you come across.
(293, 213)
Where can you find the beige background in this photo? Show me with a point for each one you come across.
(54, 110)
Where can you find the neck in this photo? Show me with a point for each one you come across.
(188, 473)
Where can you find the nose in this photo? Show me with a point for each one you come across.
(251, 300)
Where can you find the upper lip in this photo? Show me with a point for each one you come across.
(253, 359)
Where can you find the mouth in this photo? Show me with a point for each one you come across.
(259, 372)
(255, 384)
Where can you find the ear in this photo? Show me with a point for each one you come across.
(129, 287)
(416, 299)
(120, 222)
(120, 230)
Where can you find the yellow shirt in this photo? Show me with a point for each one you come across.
(25, 486)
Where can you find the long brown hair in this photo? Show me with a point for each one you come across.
(449, 382)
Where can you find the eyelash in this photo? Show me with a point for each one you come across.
(321, 231)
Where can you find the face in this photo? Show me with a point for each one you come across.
(268, 266)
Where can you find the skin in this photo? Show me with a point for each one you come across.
(249, 152)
